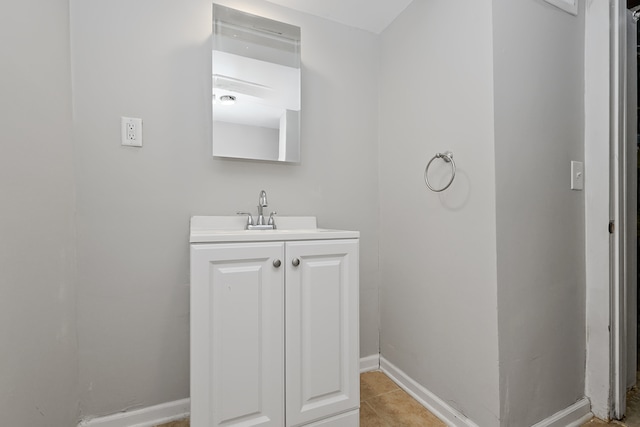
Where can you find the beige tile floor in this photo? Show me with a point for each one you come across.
(384, 404)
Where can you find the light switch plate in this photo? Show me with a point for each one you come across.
(577, 176)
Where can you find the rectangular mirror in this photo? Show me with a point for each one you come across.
(256, 87)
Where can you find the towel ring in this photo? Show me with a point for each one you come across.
(447, 156)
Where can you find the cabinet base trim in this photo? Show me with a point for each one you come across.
(370, 363)
(145, 417)
(348, 419)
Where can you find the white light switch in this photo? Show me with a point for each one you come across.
(577, 175)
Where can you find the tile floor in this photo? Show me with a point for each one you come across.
(384, 404)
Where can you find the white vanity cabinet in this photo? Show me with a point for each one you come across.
(321, 338)
(274, 330)
(237, 340)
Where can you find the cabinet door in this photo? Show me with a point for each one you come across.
(237, 335)
(322, 345)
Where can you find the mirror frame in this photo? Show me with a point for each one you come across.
(256, 80)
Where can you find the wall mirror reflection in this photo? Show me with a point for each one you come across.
(256, 87)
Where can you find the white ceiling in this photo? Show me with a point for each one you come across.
(370, 15)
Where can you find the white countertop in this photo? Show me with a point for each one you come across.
(218, 229)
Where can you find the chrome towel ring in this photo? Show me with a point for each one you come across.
(447, 156)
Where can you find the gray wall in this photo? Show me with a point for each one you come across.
(539, 116)
(152, 60)
(500, 252)
(38, 357)
(438, 296)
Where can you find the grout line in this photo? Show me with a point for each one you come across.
(382, 394)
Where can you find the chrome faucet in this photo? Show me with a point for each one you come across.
(260, 224)
(262, 203)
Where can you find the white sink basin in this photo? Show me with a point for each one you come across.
(210, 229)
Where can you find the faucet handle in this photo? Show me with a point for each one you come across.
(249, 217)
(272, 220)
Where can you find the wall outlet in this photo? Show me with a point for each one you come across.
(131, 131)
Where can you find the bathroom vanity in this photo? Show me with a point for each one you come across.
(274, 324)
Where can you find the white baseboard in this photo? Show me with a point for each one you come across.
(145, 417)
(433, 403)
(573, 416)
(171, 411)
(370, 363)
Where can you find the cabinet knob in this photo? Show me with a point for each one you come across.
(277, 263)
(295, 262)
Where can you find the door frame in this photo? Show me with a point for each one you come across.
(618, 211)
(605, 186)
(623, 207)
